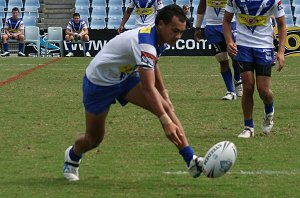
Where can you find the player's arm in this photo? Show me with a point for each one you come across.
(231, 47)
(200, 16)
(125, 18)
(160, 86)
(154, 99)
(282, 39)
(85, 32)
(69, 32)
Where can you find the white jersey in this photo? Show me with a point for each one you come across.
(120, 57)
(145, 11)
(254, 26)
(214, 13)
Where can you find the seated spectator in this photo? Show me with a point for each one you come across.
(186, 10)
(13, 29)
(77, 29)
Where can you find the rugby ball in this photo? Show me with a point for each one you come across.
(219, 159)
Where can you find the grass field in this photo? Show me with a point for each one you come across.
(41, 114)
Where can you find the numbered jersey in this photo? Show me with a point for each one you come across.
(145, 11)
(77, 27)
(254, 26)
(14, 26)
(120, 57)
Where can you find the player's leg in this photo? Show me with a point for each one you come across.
(222, 57)
(68, 39)
(20, 38)
(194, 163)
(97, 107)
(246, 64)
(5, 38)
(265, 59)
(86, 40)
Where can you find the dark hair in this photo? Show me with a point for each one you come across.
(15, 9)
(76, 14)
(166, 14)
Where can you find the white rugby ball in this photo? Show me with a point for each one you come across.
(219, 159)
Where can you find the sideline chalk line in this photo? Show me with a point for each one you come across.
(26, 72)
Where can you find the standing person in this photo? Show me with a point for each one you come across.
(13, 29)
(145, 12)
(214, 13)
(126, 71)
(255, 53)
(77, 29)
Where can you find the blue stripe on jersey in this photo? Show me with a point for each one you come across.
(143, 3)
(14, 24)
(151, 39)
(253, 6)
(76, 27)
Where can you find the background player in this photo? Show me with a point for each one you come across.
(214, 13)
(254, 52)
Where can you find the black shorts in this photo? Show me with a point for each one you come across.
(260, 70)
(220, 47)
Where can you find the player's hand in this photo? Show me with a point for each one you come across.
(120, 29)
(280, 61)
(232, 49)
(173, 133)
(197, 35)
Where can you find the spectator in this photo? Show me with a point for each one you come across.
(77, 29)
(187, 12)
(13, 29)
(145, 12)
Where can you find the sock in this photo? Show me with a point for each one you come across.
(236, 70)
(73, 156)
(187, 154)
(5, 47)
(87, 46)
(21, 47)
(269, 108)
(69, 45)
(249, 123)
(227, 77)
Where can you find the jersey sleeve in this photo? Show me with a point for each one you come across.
(84, 26)
(6, 24)
(69, 26)
(21, 25)
(278, 9)
(230, 6)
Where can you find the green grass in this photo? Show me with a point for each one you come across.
(41, 114)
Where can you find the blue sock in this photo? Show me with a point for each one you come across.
(236, 71)
(5, 47)
(69, 45)
(187, 154)
(73, 156)
(87, 46)
(249, 123)
(269, 108)
(227, 77)
(21, 47)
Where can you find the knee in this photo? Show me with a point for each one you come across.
(248, 89)
(265, 94)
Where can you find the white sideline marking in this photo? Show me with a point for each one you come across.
(242, 172)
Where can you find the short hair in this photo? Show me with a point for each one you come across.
(15, 9)
(76, 14)
(166, 14)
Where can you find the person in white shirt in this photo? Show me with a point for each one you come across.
(145, 12)
(254, 52)
(127, 72)
(213, 11)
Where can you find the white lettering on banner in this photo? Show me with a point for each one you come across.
(190, 44)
